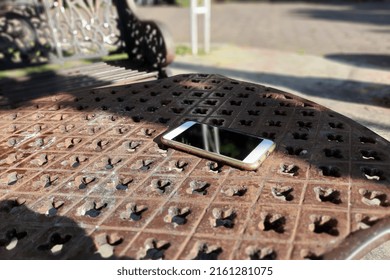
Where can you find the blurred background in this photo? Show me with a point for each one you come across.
(336, 53)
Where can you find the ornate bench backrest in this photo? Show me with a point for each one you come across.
(39, 31)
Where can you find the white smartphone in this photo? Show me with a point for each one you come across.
(229, 146)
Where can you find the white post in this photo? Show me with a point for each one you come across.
(194, 27)
(196, 10)
(207, 19)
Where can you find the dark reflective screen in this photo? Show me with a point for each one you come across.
(228, 143)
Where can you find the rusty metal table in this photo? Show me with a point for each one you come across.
(82, 175)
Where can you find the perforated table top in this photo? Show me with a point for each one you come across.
(82, 175)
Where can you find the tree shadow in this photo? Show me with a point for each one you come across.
(381, 31)
(367, 13)
(375, 61)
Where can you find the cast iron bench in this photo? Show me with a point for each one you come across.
(35, 32)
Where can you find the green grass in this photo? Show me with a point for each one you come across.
(20, 72)
(119, 56)
(183, 50)
(186, 50)
(17, 73)
(183, 3)
(187, 3)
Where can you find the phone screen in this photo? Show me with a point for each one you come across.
(224, 142)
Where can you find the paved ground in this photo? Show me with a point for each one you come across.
(335, 29)
(337, 55)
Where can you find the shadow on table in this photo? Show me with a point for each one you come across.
(39, 83)
(330, 88)
(31, 86)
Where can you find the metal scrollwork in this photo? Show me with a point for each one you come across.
(82, 28)
(38, 31)
(24, 34)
